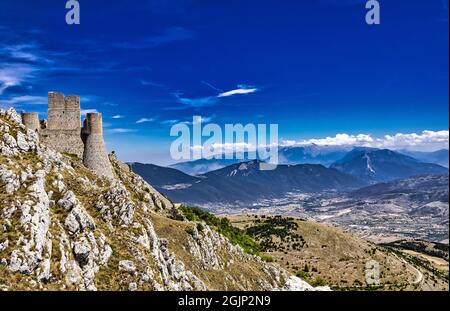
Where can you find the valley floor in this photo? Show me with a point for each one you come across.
(379, 221)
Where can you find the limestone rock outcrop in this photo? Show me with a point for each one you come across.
(64, 228)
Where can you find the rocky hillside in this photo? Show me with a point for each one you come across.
(63, 228)
(323, 254)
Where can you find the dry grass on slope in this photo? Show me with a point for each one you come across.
(323, 254)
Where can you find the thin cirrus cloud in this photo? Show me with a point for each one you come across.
(23, 63)
(196, 102)
(121, 130)
(169, 122)
(151, 83)
(24, 99)
(29, 52)
(15, 74)
(188, 122)
(118, 116)
(241, 89)
(144, 120)
(198, 121)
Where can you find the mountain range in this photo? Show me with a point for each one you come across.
(379, 165)
(437, 157)
(308, 154)
(243, 183)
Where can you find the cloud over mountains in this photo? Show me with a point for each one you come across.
(426, 140)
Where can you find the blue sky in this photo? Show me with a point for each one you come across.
(313, 67)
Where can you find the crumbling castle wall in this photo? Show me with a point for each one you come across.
(63, 141)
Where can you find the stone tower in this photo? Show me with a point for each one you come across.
(63, 112)
(63, 132)
(95, 156)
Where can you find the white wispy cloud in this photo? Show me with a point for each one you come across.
(121, 130)
(24, 52)
(88, 98)
(24, 99)
(241, 90)
(86, 111)
(118, 116)
(212, 86)
(227, 148)
(169, 122)
(196, 102)
(144, 120)
(151, 83)
(188, 122)
(212, 100)
(23, 63)
(201, 120)
(15, 74)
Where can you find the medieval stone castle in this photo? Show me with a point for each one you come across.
(63, 132)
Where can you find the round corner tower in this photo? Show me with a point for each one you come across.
(95, 156)
(31, 120)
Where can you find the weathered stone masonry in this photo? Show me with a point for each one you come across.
(63, 132)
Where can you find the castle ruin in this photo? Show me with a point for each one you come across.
(63, 132)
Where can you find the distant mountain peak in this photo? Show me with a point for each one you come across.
(379, 165)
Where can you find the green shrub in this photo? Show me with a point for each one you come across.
(190, 231)
(222, 225)
(175, 214)
(302, 274)
(318, 282)
(200, 227)
(266, 258)
(275, 227)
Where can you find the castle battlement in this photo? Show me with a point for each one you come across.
(72, 102)
(56, 100)
(63, 132)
